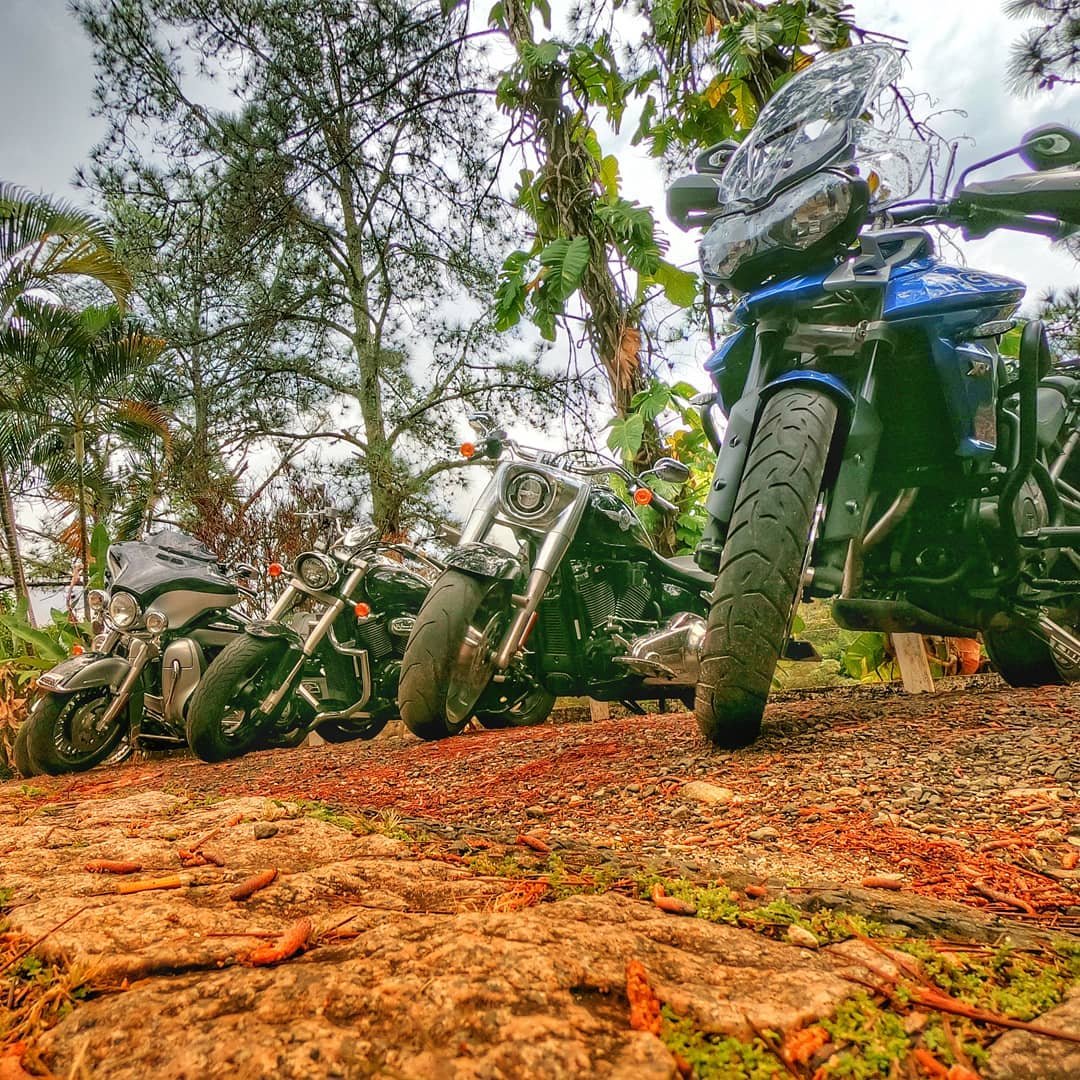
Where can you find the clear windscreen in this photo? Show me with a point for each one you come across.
(814, 121)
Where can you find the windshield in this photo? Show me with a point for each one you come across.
(814, 121)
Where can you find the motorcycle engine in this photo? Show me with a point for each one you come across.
(1030, 511)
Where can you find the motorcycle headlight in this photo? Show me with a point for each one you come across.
(811, 221)
(529, 493)
(315, 571)
(157, 622)
(98, 602)
(124, 610)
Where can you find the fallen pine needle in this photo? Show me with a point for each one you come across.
(882, 883)
(292, 941)
(756, 892)
(108, 866)
(1069, 860)
(253, 884)
(172, 882)
(34, 944)
(671, 904)
(644, 1004)
(1003, 897)
(535, 843)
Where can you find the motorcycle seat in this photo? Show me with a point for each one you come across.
(684, 567)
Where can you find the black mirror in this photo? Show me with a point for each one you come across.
(693, 200)
(1052, 146)
(714, 159)
(670, 470)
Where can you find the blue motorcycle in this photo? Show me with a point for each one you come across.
(878, 449)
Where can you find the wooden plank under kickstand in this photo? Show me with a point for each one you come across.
(914, 666)
(599, 710)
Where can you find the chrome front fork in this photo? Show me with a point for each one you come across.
(318, 631)
(144, 652)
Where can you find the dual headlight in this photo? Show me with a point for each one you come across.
(124, 610)
(815, 217)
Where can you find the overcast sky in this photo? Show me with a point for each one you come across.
(958, 50)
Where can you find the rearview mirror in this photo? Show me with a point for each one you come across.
(1052, 146)
(671, 471)
(714, 159)
(481, 422)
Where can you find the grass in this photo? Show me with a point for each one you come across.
(385, 823)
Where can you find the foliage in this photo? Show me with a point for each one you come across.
(695, 74)
(44, 244)
(1047, 54)
(338, 221)
(717, 1057)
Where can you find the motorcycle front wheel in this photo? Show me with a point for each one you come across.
(223, 717)
(449, 657)
(20, 752)
(759, 580)
(65, 732)
(533, 707)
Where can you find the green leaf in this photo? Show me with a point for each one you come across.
(42, 643)
(680, 286)
(609, 174)
(565, 261)
(1010, 342)
(863, 655)
(627, 434)
(653, 401)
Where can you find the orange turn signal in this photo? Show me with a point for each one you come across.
(275, 569)
(643, 496)
(468, 449)
(77, 650)
(362, 610)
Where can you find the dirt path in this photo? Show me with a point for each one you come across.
(474, 904)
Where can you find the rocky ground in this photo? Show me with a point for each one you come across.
(883, 886)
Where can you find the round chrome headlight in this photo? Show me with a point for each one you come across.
(124, 610)
(528, 493)
(315, 571)
(98, 601)
(157, 622)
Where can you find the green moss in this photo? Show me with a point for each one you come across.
(1014, 983)
(716, 1057)
(871, 1040)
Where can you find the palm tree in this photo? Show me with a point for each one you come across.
(84, 389)
(44, 242)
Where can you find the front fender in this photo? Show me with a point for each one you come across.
(268, 628)
(84, 672)
(742, 423)
(484, 561)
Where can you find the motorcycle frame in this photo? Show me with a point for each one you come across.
(323, 628)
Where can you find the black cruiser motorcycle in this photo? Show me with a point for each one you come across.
(169, 609)
(330, 647)
(585, 607)
(878, 448)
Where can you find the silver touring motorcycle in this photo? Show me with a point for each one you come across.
(169, 609)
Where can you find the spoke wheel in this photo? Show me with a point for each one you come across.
(68, 733)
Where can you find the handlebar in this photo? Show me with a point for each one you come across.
(978, 221)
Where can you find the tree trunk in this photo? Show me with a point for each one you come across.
(11, 542)
(84, 545)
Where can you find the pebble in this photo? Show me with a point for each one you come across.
(704, 792)
(536, 811)
(766, 833)
(265, 829)
(800, 936)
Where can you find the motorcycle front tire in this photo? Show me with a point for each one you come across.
(49, 742)
(434, 644)
(20, 752)
(759, 584)
(230, 685)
